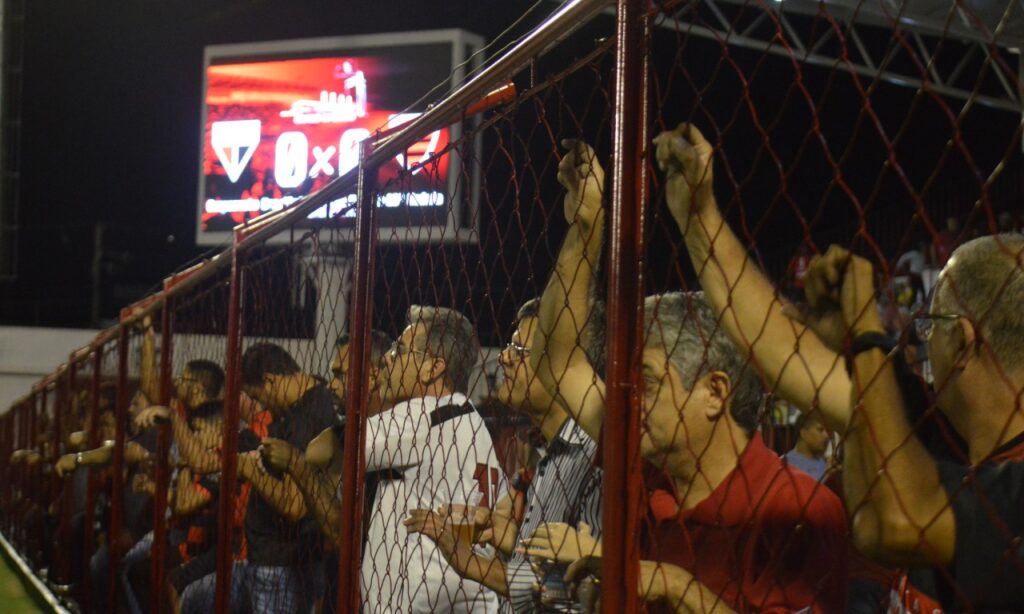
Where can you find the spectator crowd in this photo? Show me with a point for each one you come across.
(898, 488)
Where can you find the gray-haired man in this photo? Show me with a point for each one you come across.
(432, 448)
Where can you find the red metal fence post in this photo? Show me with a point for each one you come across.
(64, 415)
(89, 533)
(9, 433)
(625, 293)
(37, 492)
(229, 449)
(353, 469)
(162, 470)
(114, 545)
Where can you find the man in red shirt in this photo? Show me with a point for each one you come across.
(730, 525)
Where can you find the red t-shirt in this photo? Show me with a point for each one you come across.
(767, 539)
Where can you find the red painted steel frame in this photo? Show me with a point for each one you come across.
(625, 293)
(162, 470)
(353, 469)
(114, 545)
(62, 413)
(229, 448)
(89, 537)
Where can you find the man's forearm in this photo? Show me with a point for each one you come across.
(897, 502)
(801, 368)
(563, 316)
(149, 383)
(472, 566)
(687, 595)
(318, 496)
(506, 532)
(200, 459)
(283, 495)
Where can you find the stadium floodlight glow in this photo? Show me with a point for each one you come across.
(283, 119)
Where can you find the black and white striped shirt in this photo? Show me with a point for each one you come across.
(566, 488)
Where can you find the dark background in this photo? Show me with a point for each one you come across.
(112, 94)
(111, 128)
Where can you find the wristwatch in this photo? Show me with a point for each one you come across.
(78, 459)
(868, 341)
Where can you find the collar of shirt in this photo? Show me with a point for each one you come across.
(735, 499)
(1012, 450)
(570, 434)
(429, 404)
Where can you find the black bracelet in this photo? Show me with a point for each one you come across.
(867, 341)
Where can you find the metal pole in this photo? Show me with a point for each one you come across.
(23, 481)
(162, 470)
(89, 536)
(67, 498)
(117, 480)
(229, 448)
(8, 448)
(35, 488)
(625, 291)
(353, 468)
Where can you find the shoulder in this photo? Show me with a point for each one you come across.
(797, 497)
(318, 398)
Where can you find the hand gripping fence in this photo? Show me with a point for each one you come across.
(689, 305)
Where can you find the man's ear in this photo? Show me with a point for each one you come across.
(718, 386)
(965, 342)
(434, 370)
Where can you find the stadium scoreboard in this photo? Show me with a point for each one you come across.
(282, 119)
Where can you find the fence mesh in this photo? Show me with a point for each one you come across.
(403, 407)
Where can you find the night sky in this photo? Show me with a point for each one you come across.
(112, 96)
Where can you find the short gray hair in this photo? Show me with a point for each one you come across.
(984, 281)
(449, 336)
(684, 325)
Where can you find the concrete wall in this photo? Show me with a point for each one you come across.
(27, 354)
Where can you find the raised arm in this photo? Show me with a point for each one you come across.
(900, 510)
(149, 380)
(801, 368)
(557, 355)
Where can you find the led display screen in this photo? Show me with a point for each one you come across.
(281, 120)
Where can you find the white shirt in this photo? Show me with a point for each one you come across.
(914, 260)
(442, 464)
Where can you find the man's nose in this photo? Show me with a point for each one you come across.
(505, 358)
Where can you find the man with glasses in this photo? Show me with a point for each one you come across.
(379, 344)
(958, 523)
(566, 487)
(436, 450)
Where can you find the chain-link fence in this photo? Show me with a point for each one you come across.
(691, 306)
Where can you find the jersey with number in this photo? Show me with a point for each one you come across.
(427, 452)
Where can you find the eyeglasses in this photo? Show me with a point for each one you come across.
(925, 324)
(519, 350)
(398, 348)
